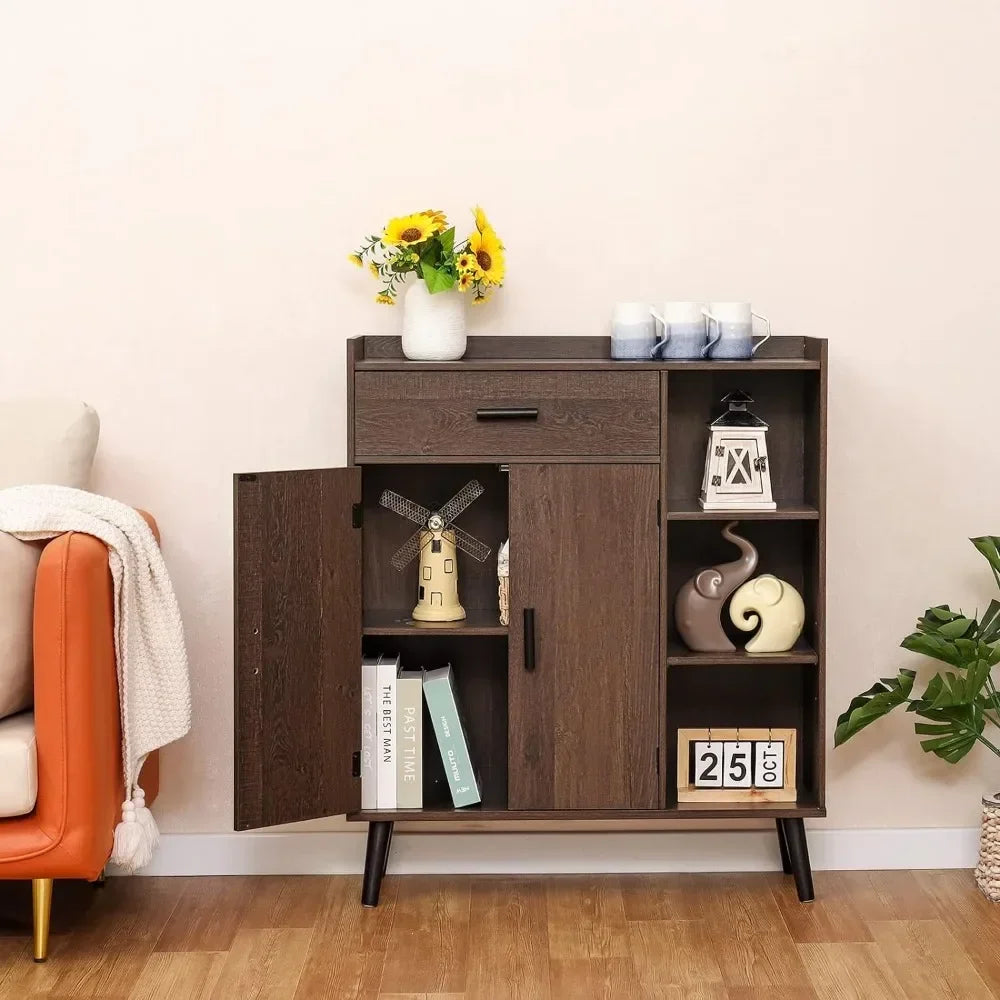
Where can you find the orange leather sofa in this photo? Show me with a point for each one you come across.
(69, 833)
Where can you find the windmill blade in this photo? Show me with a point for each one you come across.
(479, 551)
(461, 501)
(405, 508)
(408, 551)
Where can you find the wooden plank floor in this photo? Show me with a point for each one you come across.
(870, 936)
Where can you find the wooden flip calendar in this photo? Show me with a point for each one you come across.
(736, 765)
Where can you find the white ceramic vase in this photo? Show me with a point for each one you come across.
(433, 325)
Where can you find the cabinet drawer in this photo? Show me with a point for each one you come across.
(506, 413)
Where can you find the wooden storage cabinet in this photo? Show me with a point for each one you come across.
(592, 468)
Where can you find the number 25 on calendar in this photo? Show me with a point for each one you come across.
(739, 764)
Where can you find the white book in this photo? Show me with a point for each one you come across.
(388, 670)
(409, 739)
(369, 732)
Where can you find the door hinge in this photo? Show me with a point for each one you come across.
(356, 764)
(658, 513)
(357, 515)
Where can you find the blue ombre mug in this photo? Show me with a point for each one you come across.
(733, 331)
(684, 334)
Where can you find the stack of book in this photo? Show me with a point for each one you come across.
(392, 764)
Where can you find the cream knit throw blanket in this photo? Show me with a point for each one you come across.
(153, 685)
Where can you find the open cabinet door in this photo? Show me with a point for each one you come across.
(298, 645)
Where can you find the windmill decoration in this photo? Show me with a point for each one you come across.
(736, 472)
(436, 541)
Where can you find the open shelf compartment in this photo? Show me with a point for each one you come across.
(791, 404)
(479, 672)
(788, 549)
(389, 595)
(727, 696)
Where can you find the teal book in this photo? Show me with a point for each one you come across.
(442, 706)
(409, 740)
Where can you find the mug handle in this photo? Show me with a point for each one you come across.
(767, 336)
(655, 349)
(718, 333)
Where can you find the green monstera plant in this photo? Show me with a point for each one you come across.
(956, 703)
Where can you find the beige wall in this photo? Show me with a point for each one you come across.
(180, 183)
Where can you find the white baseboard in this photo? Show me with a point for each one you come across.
(558, 853)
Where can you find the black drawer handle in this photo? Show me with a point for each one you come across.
(507, 413)
(529, 638)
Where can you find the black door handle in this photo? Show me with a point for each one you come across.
(529, 638)
(507, 413)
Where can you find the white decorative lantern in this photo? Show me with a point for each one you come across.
(736, 473)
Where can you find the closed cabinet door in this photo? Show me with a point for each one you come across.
(582, 695)
(297, 550)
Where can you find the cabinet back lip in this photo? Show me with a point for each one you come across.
(513, 353)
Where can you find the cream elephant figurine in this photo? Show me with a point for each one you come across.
(773, 604)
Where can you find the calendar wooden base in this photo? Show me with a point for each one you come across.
(795, 856)
(376, 861)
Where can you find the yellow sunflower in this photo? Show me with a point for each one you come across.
(409, 229)
(386, 300)
(482, 223)
(467, 262)
(465, 281)
(373, 267)
(438, 218)
(488, 250)
(355, 259)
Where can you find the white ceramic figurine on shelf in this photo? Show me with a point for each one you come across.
(773, 604)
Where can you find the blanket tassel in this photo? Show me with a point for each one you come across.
(136, 836)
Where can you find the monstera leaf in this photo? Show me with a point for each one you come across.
(880, 699)
(954, 638)
(989, 624)
(989, 545)
(952, 731)
(950, 690)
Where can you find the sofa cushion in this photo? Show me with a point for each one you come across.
(47, 441)
(18, 765)
(18, 568)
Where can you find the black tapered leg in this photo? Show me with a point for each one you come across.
(798, 854)
(376, 859)
(786, 861)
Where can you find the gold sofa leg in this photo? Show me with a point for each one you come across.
(41, 902)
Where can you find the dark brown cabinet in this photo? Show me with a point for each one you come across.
(584, 550)
(592, 468)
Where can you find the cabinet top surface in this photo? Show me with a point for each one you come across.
(498, 353)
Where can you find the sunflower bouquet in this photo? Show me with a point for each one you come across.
(424, 244)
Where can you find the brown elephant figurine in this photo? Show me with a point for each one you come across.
(698, 609)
